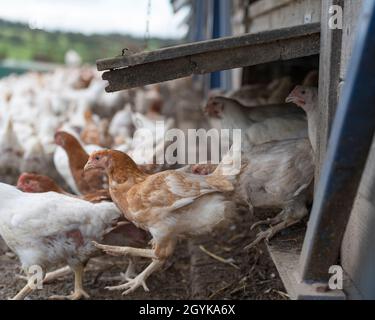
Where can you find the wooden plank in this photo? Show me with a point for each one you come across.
(284, 14)
(207, 46)
(209, 56)
(352, 10)
(264, 6)
(357, 256)
(286, 263)
(329, 79)
(285, 254)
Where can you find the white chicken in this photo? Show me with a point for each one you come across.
(35, 159)
(121, 126)
(149, 141)
(50, 229)
(307, 99)
(277, 174)
(258, 124)
(274, 175)
(262, 94)
(11, 154)
(280, 174)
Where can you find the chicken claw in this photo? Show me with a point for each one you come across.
(131, 285)
(76, 295)
(265, 235)
(139, 280)
(270, 232)
(266, 221)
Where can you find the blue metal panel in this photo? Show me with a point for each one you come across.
(215, 77)
(349, 145)
(221, 27)
(200, 16)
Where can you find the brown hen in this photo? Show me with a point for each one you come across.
(35, 183)
(169, 204)
(86, 182)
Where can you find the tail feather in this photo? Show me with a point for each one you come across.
(227, 171)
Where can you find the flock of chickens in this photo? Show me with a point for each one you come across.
(73, 185)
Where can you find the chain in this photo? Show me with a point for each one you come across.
(147, 33)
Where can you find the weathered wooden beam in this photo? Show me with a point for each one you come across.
(262, 7)
(348, 149)
(208, 56)
(329, 79)
(285, 255)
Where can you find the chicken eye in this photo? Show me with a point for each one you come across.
(97, 158)
(303, 92)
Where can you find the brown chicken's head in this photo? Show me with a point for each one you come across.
(114, 162)
(98, 160)
(34, 183)
(214, 107)
(304, 97)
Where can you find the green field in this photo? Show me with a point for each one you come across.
(19, 42)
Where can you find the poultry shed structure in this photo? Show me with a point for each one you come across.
(99, 179)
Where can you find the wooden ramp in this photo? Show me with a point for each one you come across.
(134, 70)
(285, 251)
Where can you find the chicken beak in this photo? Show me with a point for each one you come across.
(297, 100)
(289, 99)
(89, 166)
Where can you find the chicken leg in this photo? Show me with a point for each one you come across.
(293, 213)
(50, 276)
(79, 292)
(23, 293)
(129, 274)
(139, 280)
(130, 271)
(123, 251)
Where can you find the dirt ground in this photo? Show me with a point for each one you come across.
(210, 267)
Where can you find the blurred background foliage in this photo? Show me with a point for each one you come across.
(19, 42)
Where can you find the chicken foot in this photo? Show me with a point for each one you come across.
(139, 280)
(271, 232)
(291, 215)
(123, 251)
(78, 292)
(50, 276)
(269, 221)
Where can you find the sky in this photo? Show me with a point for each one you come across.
(96, 16)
